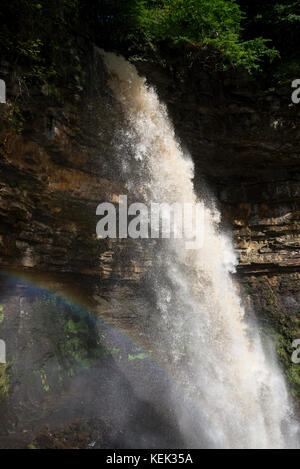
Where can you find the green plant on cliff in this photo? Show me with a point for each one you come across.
(60, 344)
(284, 340)
(4, 382)
(277, 329)
(36, 39)
(279, 21)
(14, 116)
(36, 34)
(208, 22)
(211, 25)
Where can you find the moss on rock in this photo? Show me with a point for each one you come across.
(4, 382)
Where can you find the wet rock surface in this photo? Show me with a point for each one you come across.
(244, 142)
(245, 146)
(73, 381)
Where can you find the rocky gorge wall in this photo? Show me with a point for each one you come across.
(54, 174)
(245, 145)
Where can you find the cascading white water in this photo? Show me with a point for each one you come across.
(241, 392)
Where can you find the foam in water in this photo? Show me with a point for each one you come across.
(239, 389)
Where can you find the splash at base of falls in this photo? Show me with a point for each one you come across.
(218, 357)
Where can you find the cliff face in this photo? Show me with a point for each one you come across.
(245, 146)
(53, 176)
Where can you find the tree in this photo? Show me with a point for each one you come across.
(200, 23)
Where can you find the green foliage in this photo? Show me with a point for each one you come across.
(43, 377)
(1, 315)
(37, 39)
(31, 446)
(79, 327)
(4, 382)
(14, 116)
(42, 37)
(213, 25)
(37, 34)
(279, 21)
(77, 344)
(140, 356)
(192, 20)
(284, 349)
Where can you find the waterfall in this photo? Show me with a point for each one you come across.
(218, 356)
